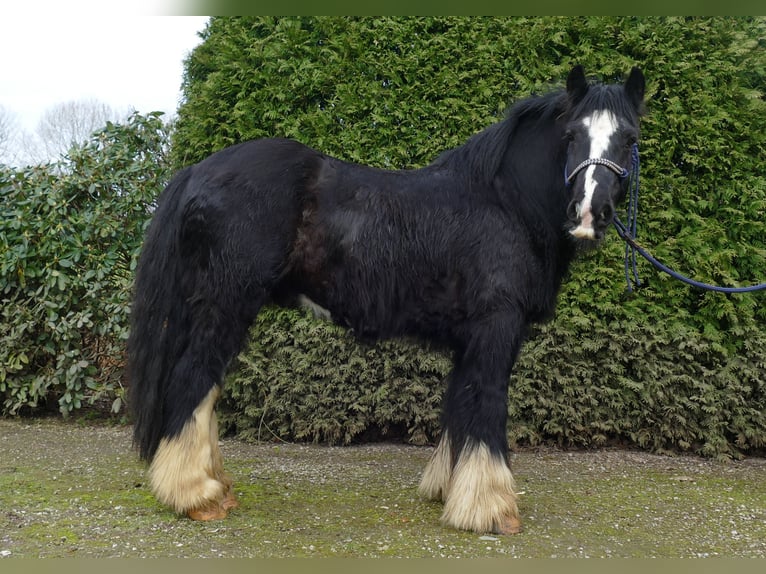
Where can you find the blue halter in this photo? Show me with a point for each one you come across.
(615, 167)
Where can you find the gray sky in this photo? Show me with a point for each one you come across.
(126, 60)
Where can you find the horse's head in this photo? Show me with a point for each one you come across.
(602, 128)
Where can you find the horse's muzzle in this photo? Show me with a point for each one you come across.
(589, 224)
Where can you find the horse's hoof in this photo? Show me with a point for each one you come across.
(230, 501)
(510, 525)
(213, 511)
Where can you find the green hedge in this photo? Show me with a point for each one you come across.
(665, 388)
(669, 367)
(310, 380)
(69, 235)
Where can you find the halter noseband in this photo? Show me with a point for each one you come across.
(616, 168)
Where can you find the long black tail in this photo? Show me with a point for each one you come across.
(158, 334)
(214, 251)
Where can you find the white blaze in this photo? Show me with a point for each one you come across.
(601, 127)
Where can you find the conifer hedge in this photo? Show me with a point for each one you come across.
(666, 368)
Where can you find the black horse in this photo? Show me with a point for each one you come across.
(467, 251)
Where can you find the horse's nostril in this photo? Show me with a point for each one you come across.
(607, 213)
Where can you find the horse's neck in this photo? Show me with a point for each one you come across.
(530, 183)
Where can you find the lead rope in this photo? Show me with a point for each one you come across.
(629, 232)
(632, 217)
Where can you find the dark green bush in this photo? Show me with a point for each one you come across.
(69, 236)
(310, 380)
(670, 367)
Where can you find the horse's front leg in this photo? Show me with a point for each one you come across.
(469, 469)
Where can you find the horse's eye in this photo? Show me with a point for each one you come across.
(631, 139)
(569, 135)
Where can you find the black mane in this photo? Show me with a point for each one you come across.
(483, 154)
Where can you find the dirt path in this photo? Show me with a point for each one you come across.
(68, 489)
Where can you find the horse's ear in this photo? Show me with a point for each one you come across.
(577, 85)
(635, 86)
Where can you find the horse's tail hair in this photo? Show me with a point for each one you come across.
(158, 333)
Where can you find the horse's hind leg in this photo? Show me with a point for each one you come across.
(434, 484)
(186, 472)
(229, 500)
(470, 469)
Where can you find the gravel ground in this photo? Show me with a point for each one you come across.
(75, 489)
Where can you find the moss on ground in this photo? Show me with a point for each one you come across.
(78, 490)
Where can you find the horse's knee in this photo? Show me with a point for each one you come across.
(481, 495)
(186, 472)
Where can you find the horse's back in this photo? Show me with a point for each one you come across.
(257, 170)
